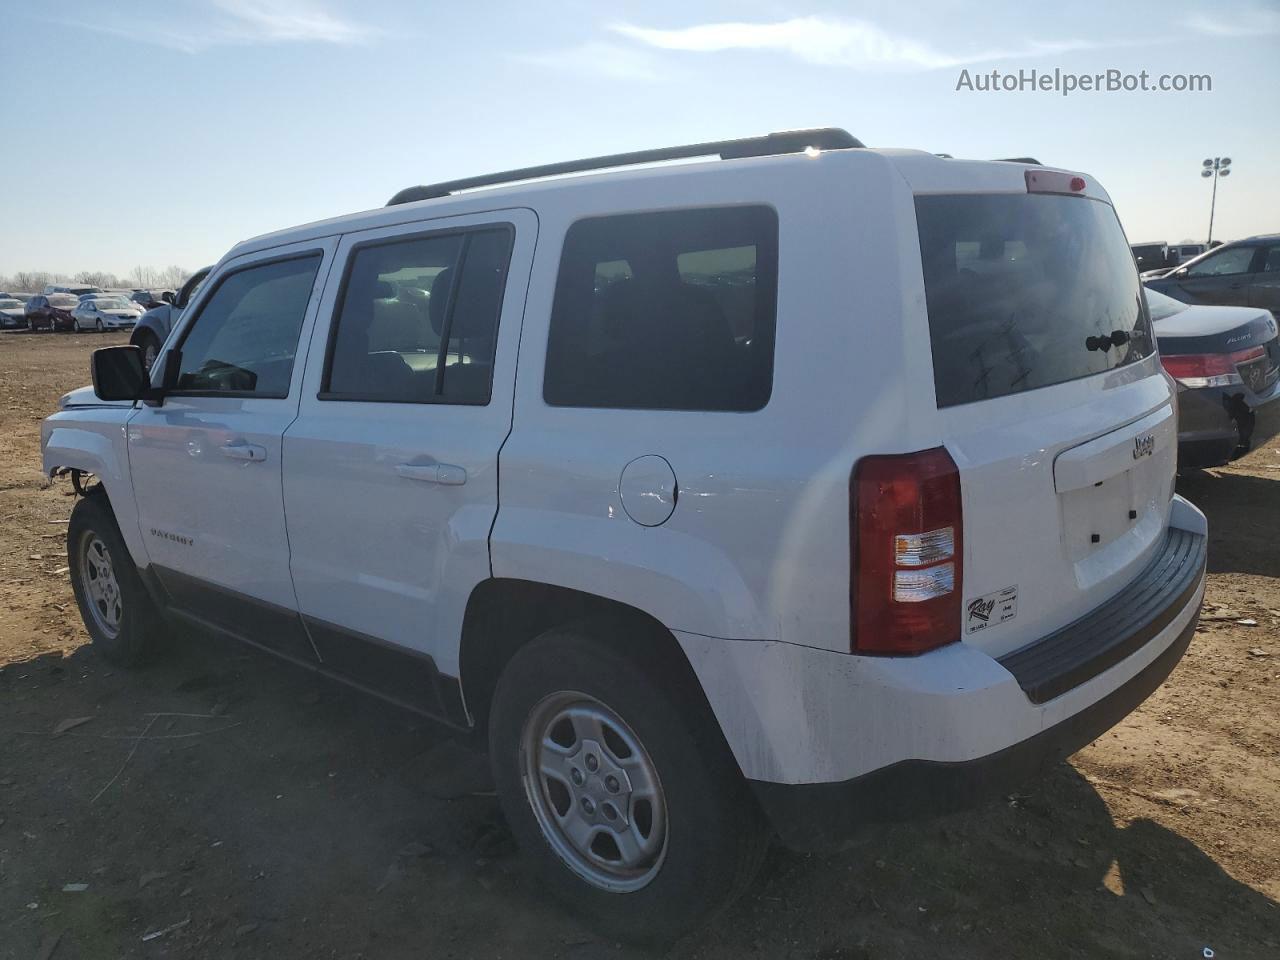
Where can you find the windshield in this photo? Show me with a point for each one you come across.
(111, 303)
(63, 300)
(1025, 291)
(9, 304)
(1162, 306)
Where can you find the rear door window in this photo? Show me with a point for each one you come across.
(418, 319)
(1025, 291)
(671, 310)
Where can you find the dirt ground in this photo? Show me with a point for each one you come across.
(245, 809)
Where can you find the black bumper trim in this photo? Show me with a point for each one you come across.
(818, 817)
(1080, 651)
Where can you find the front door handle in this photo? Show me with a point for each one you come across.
(244, 451)
(444, 473)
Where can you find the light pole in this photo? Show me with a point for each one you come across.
(1214, 167)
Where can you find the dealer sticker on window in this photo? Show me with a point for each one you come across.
(991, 609)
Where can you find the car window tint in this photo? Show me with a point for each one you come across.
(1272, 262)
(1234, 260)
(246, 335)
(418, 320)
(673, 310)
(1019, 287)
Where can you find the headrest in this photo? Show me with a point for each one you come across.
(383, 290)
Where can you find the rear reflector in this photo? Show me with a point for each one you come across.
(1210, 369)
(906, 532)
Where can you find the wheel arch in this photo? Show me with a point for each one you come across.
(97, 448)
(503, 615)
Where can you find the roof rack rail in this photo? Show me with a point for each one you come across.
(787, 141)
(1031, 160)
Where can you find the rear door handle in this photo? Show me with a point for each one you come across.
(244, 451)
(443, 473)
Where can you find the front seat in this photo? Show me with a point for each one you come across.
(363, 366)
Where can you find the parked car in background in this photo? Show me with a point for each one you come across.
(1244, 273)
(13, 314)
(1151, 256)
(696, 585)
(1227, 364)
(106, 313)
(154, 326)
(75, 289)
(149, 299)
(51, 311)
(1180, 253)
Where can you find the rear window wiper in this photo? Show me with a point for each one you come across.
(1117, 338)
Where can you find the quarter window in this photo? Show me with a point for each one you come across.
(673, 310)
(246, 335)
(418, 319)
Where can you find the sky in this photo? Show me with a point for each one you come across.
(164, 131)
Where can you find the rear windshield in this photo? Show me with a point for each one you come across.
(1025, 291)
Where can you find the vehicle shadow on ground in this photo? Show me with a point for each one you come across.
(273, 813)
(1244, 515)
(1047, 874)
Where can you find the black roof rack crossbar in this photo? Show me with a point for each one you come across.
(787, 141)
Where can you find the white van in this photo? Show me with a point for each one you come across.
(796, 488)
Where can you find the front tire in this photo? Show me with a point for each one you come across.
(619, 787)
(98, 325)
(118, 613)
(150, 346)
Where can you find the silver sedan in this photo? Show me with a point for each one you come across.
(105, 313)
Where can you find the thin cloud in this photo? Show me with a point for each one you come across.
(600, 59)
(1237, 22)
(243, 23)
(830, 41)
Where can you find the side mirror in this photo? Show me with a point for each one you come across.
(168, 297)
(118, 373)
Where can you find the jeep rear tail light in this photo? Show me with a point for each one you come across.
(906, 531)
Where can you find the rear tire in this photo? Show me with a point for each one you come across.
(655, 774)
(119, 614)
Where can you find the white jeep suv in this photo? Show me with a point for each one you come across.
(796, 489)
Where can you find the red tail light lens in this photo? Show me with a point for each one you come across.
(1210, 369)
(906, 530)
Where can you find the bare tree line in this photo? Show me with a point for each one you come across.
(149, 278)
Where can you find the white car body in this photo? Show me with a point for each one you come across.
(95, 312)
(1067, 490)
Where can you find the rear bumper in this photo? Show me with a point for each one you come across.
(831, 742)
(1219, 424)
(826, 816)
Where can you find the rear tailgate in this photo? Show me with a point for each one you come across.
(1050, 398)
